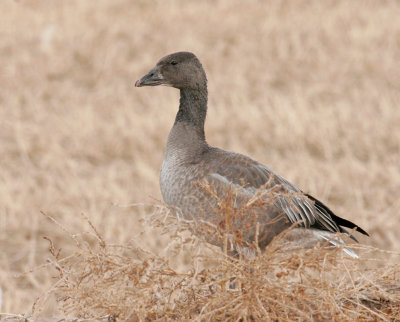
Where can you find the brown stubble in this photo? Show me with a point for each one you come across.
(309, 88)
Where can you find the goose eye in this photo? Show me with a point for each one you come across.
(174, 62)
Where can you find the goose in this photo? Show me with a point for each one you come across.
(227, 193)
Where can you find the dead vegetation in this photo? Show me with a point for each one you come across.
(310, 88)
(121, 282)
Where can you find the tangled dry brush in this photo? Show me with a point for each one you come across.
(123, 282)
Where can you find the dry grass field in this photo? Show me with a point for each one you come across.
(309, 88)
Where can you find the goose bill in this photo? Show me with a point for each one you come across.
(152, 78)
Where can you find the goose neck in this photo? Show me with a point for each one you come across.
(193, 108)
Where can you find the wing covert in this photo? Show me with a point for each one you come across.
(247, 176)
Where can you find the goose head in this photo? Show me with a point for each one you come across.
(181, 70)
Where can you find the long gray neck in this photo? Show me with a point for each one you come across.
(193, 109)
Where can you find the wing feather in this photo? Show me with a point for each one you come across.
(248, 175)
(292, 215)
(306, 215)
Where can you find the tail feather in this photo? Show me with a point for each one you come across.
(336, 241)
(338, 220)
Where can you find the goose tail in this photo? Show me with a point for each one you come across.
(336, 241)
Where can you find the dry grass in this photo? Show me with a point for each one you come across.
(109, 282)
(310, 88)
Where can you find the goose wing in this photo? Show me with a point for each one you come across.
(248, 176)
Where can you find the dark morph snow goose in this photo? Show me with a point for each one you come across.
(197, 178)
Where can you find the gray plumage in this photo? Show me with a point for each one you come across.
(197, 178)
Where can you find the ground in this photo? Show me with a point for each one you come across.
(309, 88)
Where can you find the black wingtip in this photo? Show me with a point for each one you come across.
(338, 220)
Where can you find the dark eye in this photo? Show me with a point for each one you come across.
(174, 62)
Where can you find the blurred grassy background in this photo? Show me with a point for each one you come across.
(309, 88)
